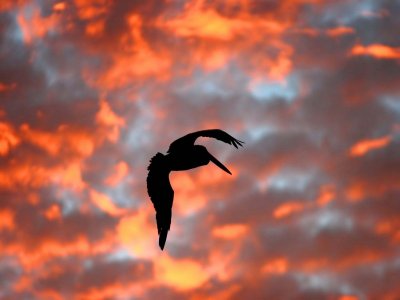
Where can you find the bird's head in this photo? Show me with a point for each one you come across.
(207, 155)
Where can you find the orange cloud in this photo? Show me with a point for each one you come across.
(362, 256)
(309, 31)
(181, 274)
(377, 50)
(23, 283)
(95, 28)
(287, 209)
(91, 9)
(69, 176)
(231, 43)
(64, 139)
(188, 196)
(277, 67)
(103, 292)
(49, 294)
(141, 63)
(138, 235)
(326, 195)
(276, 266)
(389, 227)
(222, 262)
(200, 20)
(135, 58)
(22, 175)
(105, 116)
(221, 35)
(104, 203)
(348, 297)
(6, 219)
(339, 31)
(49, 249)
(53, 212)
(230, 232)
(384, 227)
(205, 23)
(34, 26)
(8, 138)
(60, 6)
(121, 169)
(34, 175)
(72, 140)
(313, 264)
(193, 188)
(93, 12)
(363, 147)
(211, 59)
(6, 5)
(355, 192)
(225, 294)
(48, 141)
(7, 87)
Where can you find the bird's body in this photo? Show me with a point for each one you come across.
(182, 155)
(186, 159)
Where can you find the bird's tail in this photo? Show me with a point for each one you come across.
(162, 239)
(163, 226)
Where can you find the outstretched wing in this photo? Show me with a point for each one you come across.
(161, 194)
(189, 139)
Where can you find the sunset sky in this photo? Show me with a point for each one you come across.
(90, 90)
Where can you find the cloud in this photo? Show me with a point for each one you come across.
(91, 90)
(365, 146)
(376, 50)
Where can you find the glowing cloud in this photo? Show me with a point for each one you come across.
(91, 89)
(6, 220)
(105, 203)
(339, 31)
(33, 26)
(121, 169)
(230, 232)
(287, 209)
(138, 235)
(276, 266)
(181, 274)
(363, 147)
(377, 50)
(8, 138)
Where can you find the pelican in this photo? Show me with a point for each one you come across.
(182, 154)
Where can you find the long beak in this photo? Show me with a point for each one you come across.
(219, 164)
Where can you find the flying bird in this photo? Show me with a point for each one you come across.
(182, 154)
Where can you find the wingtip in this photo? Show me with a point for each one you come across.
(237, 142)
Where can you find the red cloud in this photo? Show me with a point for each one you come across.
(377, 50)
(91, 89)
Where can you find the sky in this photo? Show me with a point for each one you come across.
(90, 90)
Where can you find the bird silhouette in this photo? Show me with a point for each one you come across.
(182, 154)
